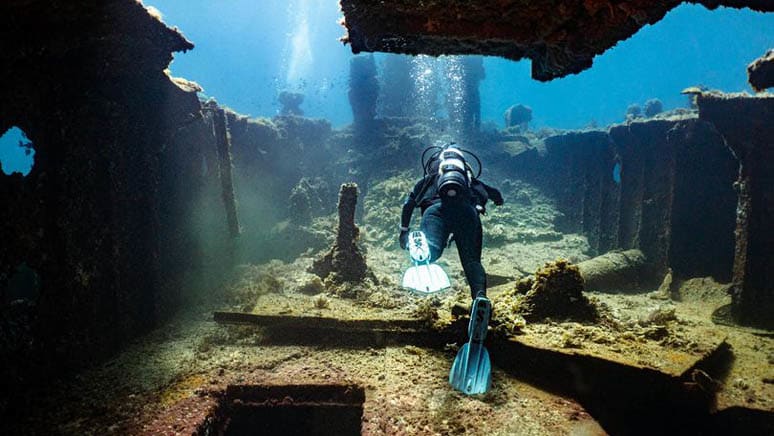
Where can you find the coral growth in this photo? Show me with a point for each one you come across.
(427, 310)
(525, 284)
(633, 111)
(291, 103)
(322, 302)
(760, 72)
(344, 262)
(518, 115)
(653, 107)
(557, 292)
(312, 287)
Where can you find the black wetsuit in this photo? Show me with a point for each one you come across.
(458, 216)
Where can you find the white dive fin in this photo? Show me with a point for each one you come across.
(426, 279)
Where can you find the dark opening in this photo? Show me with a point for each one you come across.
(704, 208)
(291, 410)
(24, 284)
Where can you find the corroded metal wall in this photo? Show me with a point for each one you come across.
(747, 125)
(86, 82)
(675, 199)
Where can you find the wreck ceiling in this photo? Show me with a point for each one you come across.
(561, 37)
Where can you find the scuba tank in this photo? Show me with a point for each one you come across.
(454, 176)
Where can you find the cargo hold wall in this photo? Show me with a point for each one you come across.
(664, 186)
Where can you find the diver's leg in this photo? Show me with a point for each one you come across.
(435, 231)
(468, 237)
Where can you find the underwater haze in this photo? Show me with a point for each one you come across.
(248, 51)
(326, 243)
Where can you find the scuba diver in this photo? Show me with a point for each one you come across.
(451, 199)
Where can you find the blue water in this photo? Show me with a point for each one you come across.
(15, 156)
(690, 46)
(247, 51)
(243, 51)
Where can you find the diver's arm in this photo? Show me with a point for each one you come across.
(405, 219)
(410, 204)
(408, 209)
(494, 194)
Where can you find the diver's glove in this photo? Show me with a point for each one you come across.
(403, 238)
(497, 198)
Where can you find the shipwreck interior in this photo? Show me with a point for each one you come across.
(151, 285)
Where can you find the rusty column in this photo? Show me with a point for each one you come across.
(747, 124)
(473, 73)
(363, 93)
(344, 262)
(347, 232)
(223, 145)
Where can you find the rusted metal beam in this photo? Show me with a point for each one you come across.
(561, 37)
(223, 144)
(614, 271)
(319, 322)
(747, 124)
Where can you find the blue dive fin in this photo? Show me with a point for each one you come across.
(471, 371)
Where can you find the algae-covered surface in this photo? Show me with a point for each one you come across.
(172, 381)
(639, 330)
